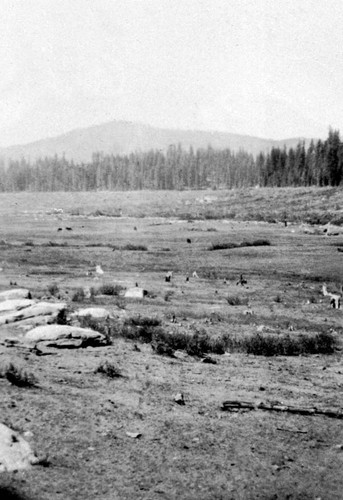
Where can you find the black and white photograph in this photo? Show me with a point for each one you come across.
(171, 250)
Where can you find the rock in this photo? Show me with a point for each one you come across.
(94, 312)
(15, 452)
(133, 434)
(39, 309)
(179, 399)
(135, 293)
(65, 336)
(15, 304)
(16, 293)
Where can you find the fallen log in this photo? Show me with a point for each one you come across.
(279, 407)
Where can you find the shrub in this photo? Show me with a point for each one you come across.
(163, 349)
(62, 317)
(100, 325)
(108, 289)
(109, 370)
(235, 300)
(53, 289)
(130, 246)
(19, 377)
(79, 295)
(260, 243)
(223, 246)
(285, 345)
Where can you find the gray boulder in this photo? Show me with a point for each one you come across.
(16, 293)
(65, 336)
(15, 451)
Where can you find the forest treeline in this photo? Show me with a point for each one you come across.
(319, 164)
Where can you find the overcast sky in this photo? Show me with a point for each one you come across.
(268, 68)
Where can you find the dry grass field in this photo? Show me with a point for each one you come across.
(78, 418)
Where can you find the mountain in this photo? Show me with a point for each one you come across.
(120, 137)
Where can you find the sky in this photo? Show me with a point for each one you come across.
(267, 68)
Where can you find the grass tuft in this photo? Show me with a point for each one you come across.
(109, 370)
(235, 300)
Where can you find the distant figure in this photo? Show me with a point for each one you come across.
(195, 274)
(285, 223)
(242, 281)
(189, 240)
(136, 284)
(59, 229)
(187, 278)
(135, 229)
(69, 228)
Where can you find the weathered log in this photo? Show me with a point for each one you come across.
(278, 407)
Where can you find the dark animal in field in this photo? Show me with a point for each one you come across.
(69, 228)
(189, 240)
(59, 229)
(242, 281)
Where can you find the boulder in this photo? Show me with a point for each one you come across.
(39, 309)
(16, 293)
(135, 293)
(94, 312)
(65, 336)
(15, 304)
(15, 451)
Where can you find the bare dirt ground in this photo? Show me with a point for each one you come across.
(79, 419)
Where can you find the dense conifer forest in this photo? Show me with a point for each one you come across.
(320, 164)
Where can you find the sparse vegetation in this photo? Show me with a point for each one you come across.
(236, 300)
(18, 376)
(284, 344)
(107, 289)
(230, 245)
(131, 247)
(79, 295)
(53, 289)
(109, 370)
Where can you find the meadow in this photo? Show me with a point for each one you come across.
(272, 338)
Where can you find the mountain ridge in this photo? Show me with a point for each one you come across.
(125, 137)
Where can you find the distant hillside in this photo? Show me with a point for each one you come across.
(119, 137)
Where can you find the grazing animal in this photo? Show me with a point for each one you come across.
(242, 281)
(335, 298)
(69, 228)
(59, 229)
(195, 274)
(189, 240)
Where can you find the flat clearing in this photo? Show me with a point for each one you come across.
(79, 419)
